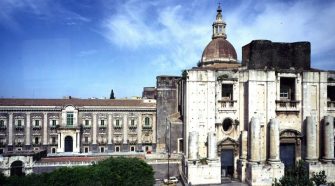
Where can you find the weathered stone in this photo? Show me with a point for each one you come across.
(274, 140)
(310, 139)
(255, 152)
(193, 145)
(264, 54)
(328, 138)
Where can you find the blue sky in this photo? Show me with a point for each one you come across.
(85, 48)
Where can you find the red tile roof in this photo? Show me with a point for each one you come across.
(77, 102)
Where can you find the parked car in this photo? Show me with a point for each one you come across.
(172, 179)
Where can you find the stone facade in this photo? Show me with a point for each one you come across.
(268, 112)
(77, 126)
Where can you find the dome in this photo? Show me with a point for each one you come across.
(219, 50)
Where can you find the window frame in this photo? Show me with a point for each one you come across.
(69, 119)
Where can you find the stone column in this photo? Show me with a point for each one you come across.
(78, 140)
(110, 124)
(59, 146)
(310, 139)
(28, 135)
(193, 145)
(125, 127)
(255, 132)
(139, 129)
(212, 145)
(153, 124)
(244, 145)
(328, 137)
(10, 129)
(94, 137)
(45, 128)
(274, 140)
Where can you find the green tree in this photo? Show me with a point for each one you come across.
(299, 176)
(112, 171)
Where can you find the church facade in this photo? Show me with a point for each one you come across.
(251, 120)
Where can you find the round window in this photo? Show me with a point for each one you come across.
(227, 124)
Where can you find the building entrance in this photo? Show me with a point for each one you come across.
(16, 168)
(287, 154)
(227, 162)
(68, 144)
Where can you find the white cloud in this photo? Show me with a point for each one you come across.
(287, 22)
(42, 9)
(181, 32)
(180, 39)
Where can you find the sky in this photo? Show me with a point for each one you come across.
(85, 48)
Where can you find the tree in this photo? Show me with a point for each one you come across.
(112, 95)
(299, 176)
(112, 171)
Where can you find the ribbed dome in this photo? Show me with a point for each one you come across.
(219, 50)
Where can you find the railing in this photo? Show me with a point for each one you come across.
(36, 127)
(146, 127)
(331, 105)
(228, 104)
(287, 106)
(42, 164)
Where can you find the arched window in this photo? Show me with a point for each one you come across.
(147, 121)
(36, 140)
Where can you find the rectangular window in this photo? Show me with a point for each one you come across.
(102, 122)
(1, 151)
(54, 122)
(2, 123)
(227, 91)
(147, 121)
(330, 93)
(37, 123)
(53, 140)
(86, 150)
(69, 118)
(132, 122)
(287, 88)
(19, 123)
(87, 122)
(102, 149)
(117, 149)
(132, 148)
(117, 122)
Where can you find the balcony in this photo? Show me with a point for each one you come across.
(37, 144)
(19, 128)
(147, 127)
(36, 127)
(228, 105)
(3, 127)
(331, 105)
(287, 106)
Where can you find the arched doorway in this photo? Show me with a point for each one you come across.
(16, 168)
(68, 144)
(290, 147)
(228, 150)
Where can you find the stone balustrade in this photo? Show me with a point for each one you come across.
(287, 106)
